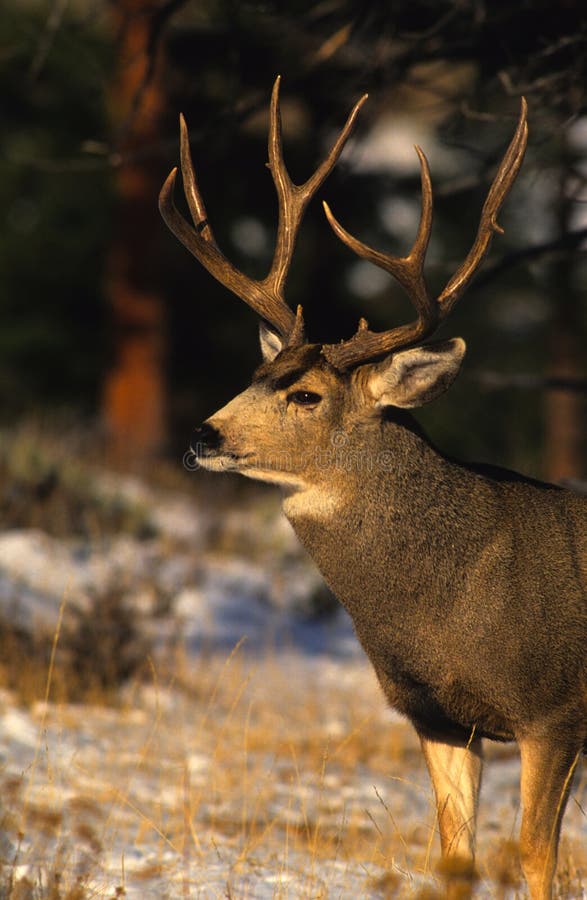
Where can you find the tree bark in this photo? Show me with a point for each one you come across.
(564, 410)
(134, 391)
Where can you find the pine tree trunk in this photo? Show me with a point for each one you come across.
(134, 394)
(564, 410)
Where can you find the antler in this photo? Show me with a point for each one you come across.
(264, 296)
(409, 270)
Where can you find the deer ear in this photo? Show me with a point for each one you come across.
(271, 343)
(414, 377)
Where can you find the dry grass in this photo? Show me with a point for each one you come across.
(233, 765)
(284, 771)
(50, 483)
(281, 764)
(97, 650)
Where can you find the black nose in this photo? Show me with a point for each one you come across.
(205, 438)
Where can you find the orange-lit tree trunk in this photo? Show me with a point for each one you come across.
(133, 402)
(564, 409)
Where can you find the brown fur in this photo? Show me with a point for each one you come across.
(467, 586)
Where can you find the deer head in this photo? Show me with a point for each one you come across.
(307, 397)
(467, 591)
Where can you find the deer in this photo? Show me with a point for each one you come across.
(466, 583)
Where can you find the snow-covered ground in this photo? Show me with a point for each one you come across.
(255, 760)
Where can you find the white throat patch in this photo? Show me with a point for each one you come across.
(313, 502)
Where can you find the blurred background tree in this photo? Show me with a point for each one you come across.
(134, 394)
(102, 310)
(56, 206)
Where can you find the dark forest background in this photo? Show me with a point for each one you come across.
(106, 321)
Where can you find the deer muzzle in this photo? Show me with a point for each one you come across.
(206, 441)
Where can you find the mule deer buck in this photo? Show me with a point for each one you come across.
(467, 585)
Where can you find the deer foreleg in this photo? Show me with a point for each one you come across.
(455, 771)
(547, 771)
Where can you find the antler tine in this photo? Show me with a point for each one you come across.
(408, 270)
(264, 296)
(500, 187)
(293, 198)
(199, 240)
(190, 185)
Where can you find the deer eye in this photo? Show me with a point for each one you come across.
(304, 398)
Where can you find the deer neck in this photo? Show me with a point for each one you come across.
(382, 470)
(369, 526)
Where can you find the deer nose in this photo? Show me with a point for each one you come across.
(206, 437)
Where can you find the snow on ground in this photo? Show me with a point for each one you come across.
(142, 798)
(257, 761)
